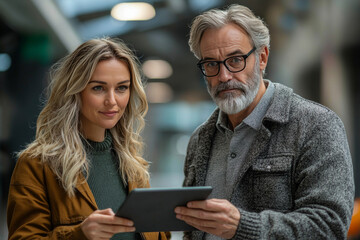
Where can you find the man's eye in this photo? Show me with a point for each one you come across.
(210, 64)
(236, 60)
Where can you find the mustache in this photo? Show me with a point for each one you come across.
(233, 84)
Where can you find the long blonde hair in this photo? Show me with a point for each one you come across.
(58, 139)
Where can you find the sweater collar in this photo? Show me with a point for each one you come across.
(99, 146)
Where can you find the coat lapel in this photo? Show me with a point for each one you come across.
(83, 188)
(206, 136)
(259, 146)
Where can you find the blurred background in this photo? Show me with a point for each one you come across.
(315, 49)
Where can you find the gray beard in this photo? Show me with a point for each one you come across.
(232, 103)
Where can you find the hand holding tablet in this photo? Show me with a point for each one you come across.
(152, 209)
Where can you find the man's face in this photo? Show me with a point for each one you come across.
(232, 92)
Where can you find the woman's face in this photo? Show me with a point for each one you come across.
(105, 98)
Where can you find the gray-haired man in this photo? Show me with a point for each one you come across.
(279, 164)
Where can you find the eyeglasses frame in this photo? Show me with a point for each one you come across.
(245, 56)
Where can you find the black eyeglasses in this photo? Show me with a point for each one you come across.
(234, 64)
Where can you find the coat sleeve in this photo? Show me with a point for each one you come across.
(28, 210)
(323, 191)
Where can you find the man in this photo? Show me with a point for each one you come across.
(279, 164)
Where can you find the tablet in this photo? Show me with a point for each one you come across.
(152, 209)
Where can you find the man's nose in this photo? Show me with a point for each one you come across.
(224, 74)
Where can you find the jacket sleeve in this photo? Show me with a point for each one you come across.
(28, 210)
(323, 191)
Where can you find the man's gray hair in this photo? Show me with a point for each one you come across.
(238, 14)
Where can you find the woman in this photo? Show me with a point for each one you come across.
(87, 151)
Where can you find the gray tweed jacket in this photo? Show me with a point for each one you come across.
(297, 179)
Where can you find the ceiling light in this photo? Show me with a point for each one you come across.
(5, 62)
(158, 92)
(157, 69)
(134, 11)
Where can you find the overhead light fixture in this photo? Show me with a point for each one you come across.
(157, 69)
(133, 11)
(5, 62)
(158, 92)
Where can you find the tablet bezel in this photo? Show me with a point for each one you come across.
(152, 209)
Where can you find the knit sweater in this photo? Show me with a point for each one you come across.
(104, 179)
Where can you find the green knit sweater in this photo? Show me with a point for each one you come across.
(104, 178)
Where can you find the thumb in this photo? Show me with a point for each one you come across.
(107, 211)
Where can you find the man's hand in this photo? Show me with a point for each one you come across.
(215, 216)
(103, 224)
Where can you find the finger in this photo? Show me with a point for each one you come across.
(107, 211)
(113, 220)
(207, 222)
(215, 205)
(229, 215)
(195, 221)
(101, 218)
(112, 229)
(223, 206)
(195, 213)
(221, 229)
(123, 221)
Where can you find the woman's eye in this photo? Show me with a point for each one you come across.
(98, 88)
(123, 88)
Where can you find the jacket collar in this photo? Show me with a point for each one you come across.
(279, 108)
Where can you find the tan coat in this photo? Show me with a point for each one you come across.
(38, 206)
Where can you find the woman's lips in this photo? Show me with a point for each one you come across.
(110, 113)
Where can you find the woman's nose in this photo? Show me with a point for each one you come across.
(110, 98)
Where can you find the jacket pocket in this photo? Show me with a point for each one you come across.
(272, 183)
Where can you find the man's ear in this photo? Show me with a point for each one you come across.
(263, 57)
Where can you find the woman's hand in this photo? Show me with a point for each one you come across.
(103, 224)
(215, 216)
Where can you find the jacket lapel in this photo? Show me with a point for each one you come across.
(83, 188)
(206, 135)
(259, 146)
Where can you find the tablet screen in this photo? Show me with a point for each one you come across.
(152, 209)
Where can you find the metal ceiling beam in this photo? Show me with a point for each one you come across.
(58, 23)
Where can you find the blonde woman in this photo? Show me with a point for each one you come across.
(86, 155)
